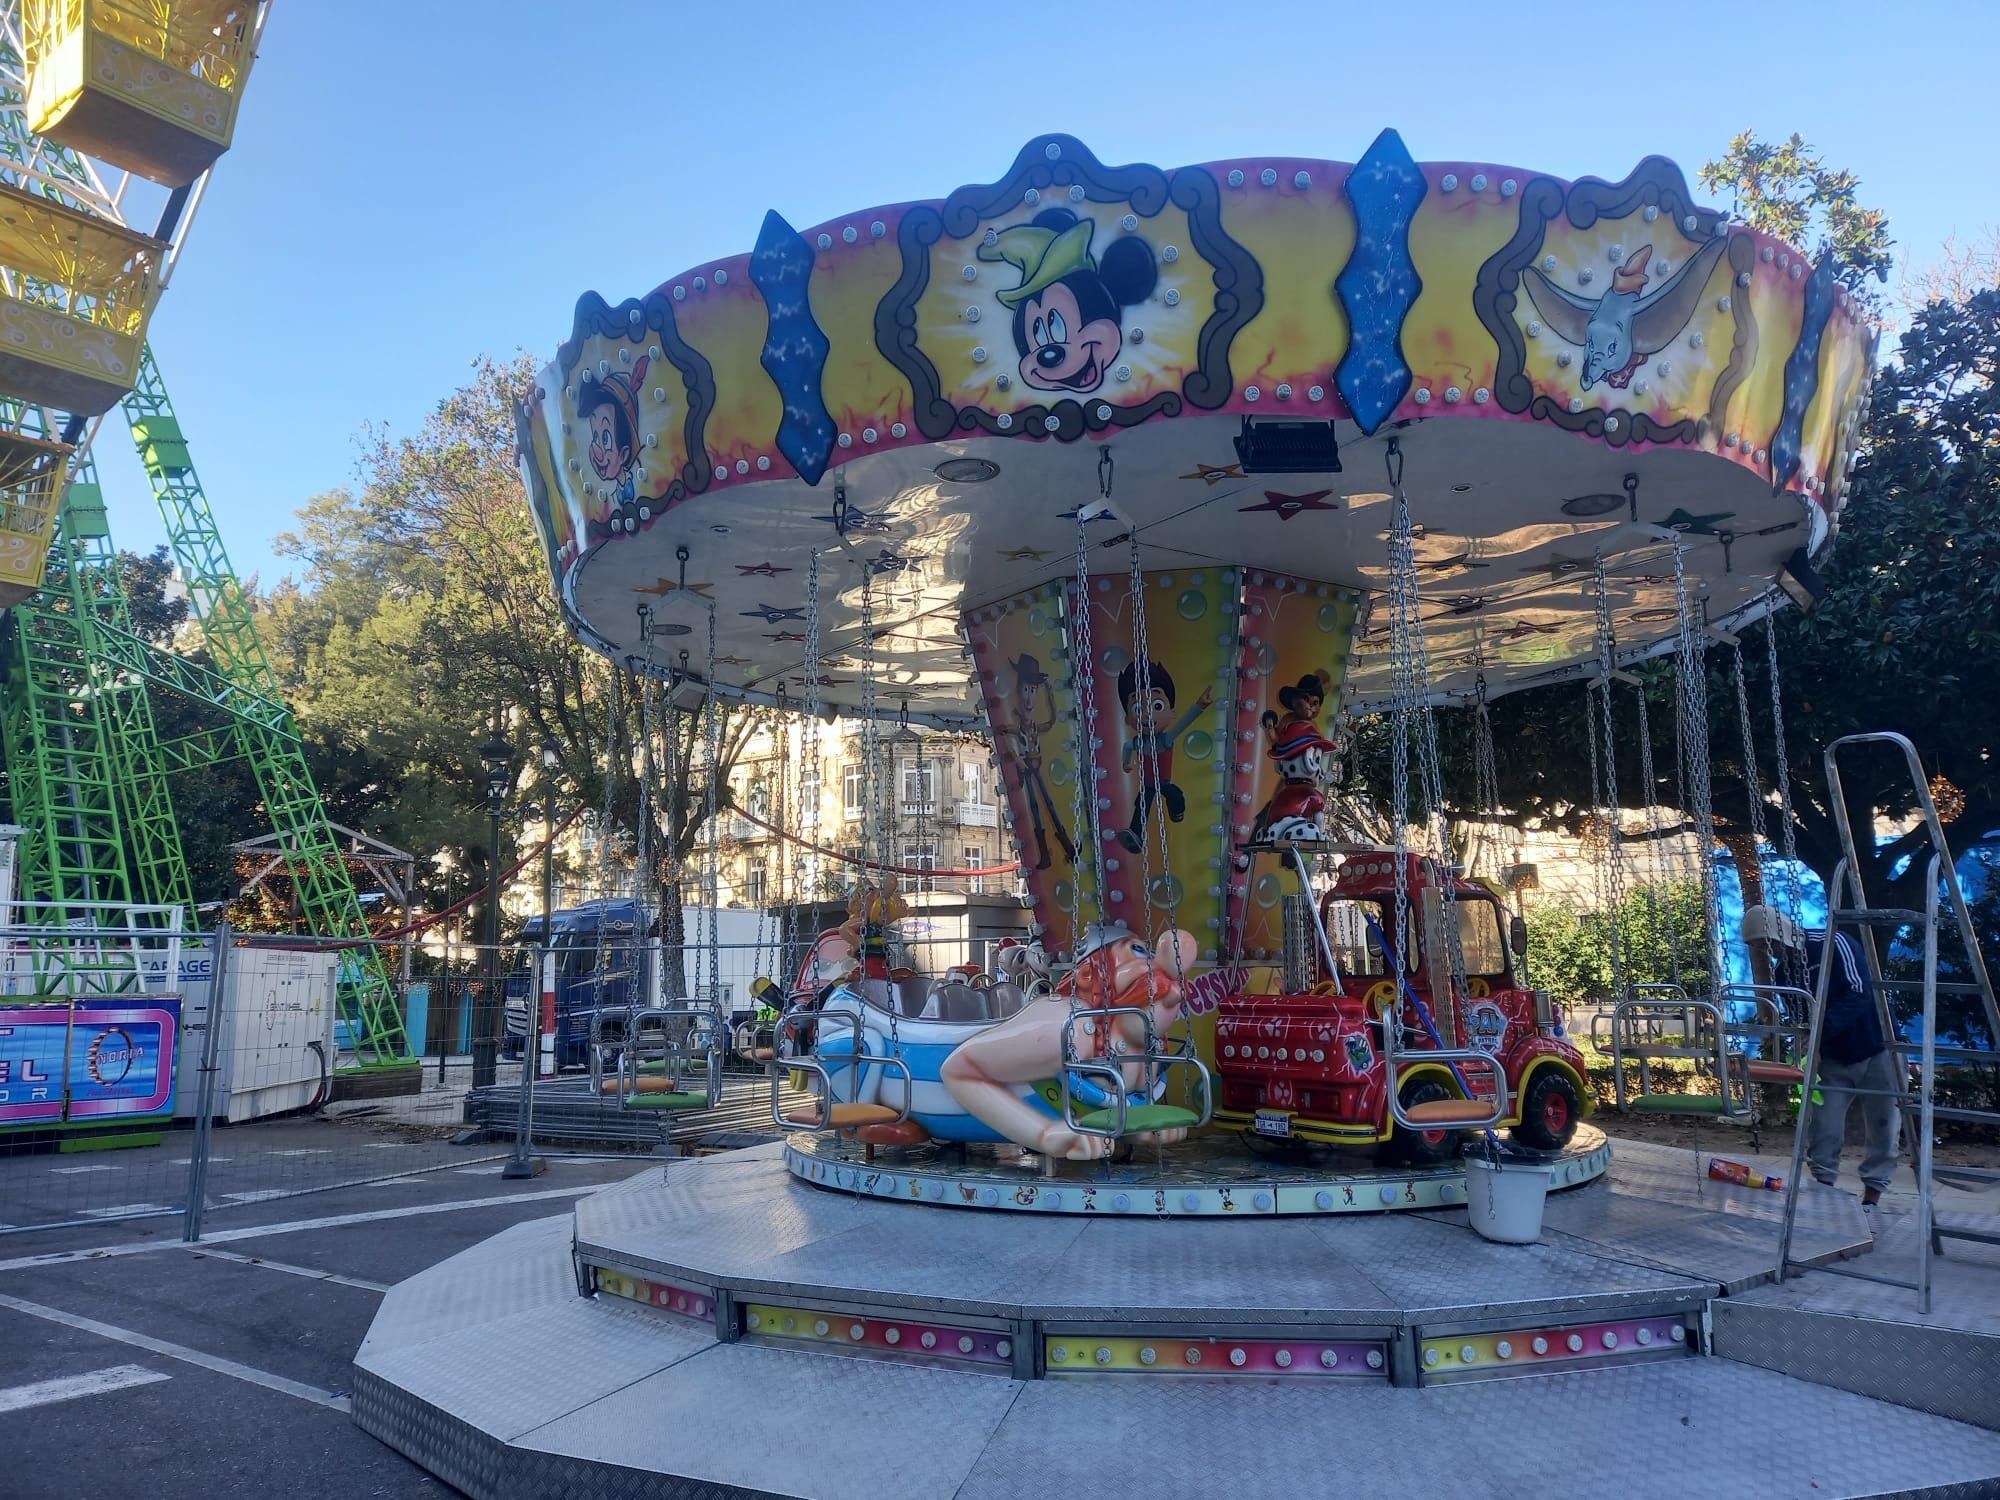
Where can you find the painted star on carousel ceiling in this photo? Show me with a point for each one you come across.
(1214, 474)
(1693, 525)
(784, 635)
(1466, 604)
(732, 661)
(1022, 554)
(1521, 629)
(886, 561)
(1561, 566)
(770, 614)
(1446, 564)
(859, 521)
(661, 587)
(760, 570)
(1286, 506)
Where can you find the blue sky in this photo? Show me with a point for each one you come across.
(416, 182)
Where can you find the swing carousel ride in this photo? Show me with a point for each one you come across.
(1160, 479)
(1192, 468)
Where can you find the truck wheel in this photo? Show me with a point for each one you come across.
(1425, 1148)
(1549, 1112)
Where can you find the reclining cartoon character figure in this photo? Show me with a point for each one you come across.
(993, 1075)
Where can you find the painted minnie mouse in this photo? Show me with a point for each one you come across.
(1068, 308)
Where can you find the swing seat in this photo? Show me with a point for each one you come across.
(896, 1133)
(761, 1054)
(666, 1100)
(1142, 1119)
(845, 1116)
(645, 1083)
(1682, 1104)
(1773, 1072)
(1450, 1112)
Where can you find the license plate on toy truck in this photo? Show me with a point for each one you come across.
(1273, 1122)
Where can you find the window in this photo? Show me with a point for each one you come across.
(809, 796)
(756, 883)
(851, 790)
(1354, 946)
(919, 786)
(758, 802)
(1479, 938)
(921, 855)
(975, 782)
(975, 884)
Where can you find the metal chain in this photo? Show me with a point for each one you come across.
(1658, 854)
(1083, 671)
(712, 871)
(1142, 650)
(1410, 678)
(1752, 785)
(614, 723)
(1788, 838)
(811, 752)
(872, 814)
(1614, 850)
(1692, 671)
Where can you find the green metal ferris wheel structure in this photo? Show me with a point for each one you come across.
(89, 779)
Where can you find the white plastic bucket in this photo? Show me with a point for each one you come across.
(1506, 1200)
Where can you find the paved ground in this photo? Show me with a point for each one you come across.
(220, 1370)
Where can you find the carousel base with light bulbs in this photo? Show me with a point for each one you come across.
(716, 1327)
(1210, 1176)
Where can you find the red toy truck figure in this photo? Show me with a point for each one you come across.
(1310, 1066)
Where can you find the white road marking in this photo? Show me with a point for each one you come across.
(305, 1151)
(123, 1209)
(73, 1171)
(259, 1195)
(296, 1226)
(209, 1252)
(185, 1161)
(181, 1352)
(70, 1387)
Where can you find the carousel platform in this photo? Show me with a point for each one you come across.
(716, 1327)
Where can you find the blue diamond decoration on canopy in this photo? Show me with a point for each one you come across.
(1379, 284)
(1802, 374)
(795, 348)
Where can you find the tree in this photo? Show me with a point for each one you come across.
(1785, 189)
(424, 612)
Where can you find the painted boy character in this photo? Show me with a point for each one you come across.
(1068, 308)
(610, 404)
(1031, 690)
(1151, 746)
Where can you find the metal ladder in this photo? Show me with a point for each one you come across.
(1847, 907)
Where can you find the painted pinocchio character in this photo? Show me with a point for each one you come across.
(1292, 815)
(1035, 716)
(1146, 693)
(610, 404)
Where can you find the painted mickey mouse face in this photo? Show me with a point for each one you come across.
(1065, 348)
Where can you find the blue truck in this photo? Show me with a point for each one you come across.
(606, 966)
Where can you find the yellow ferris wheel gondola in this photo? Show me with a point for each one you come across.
(76, 292)
(148, 85)
(32, 472)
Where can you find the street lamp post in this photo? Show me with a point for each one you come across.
(498, 758)
(524, 1163)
